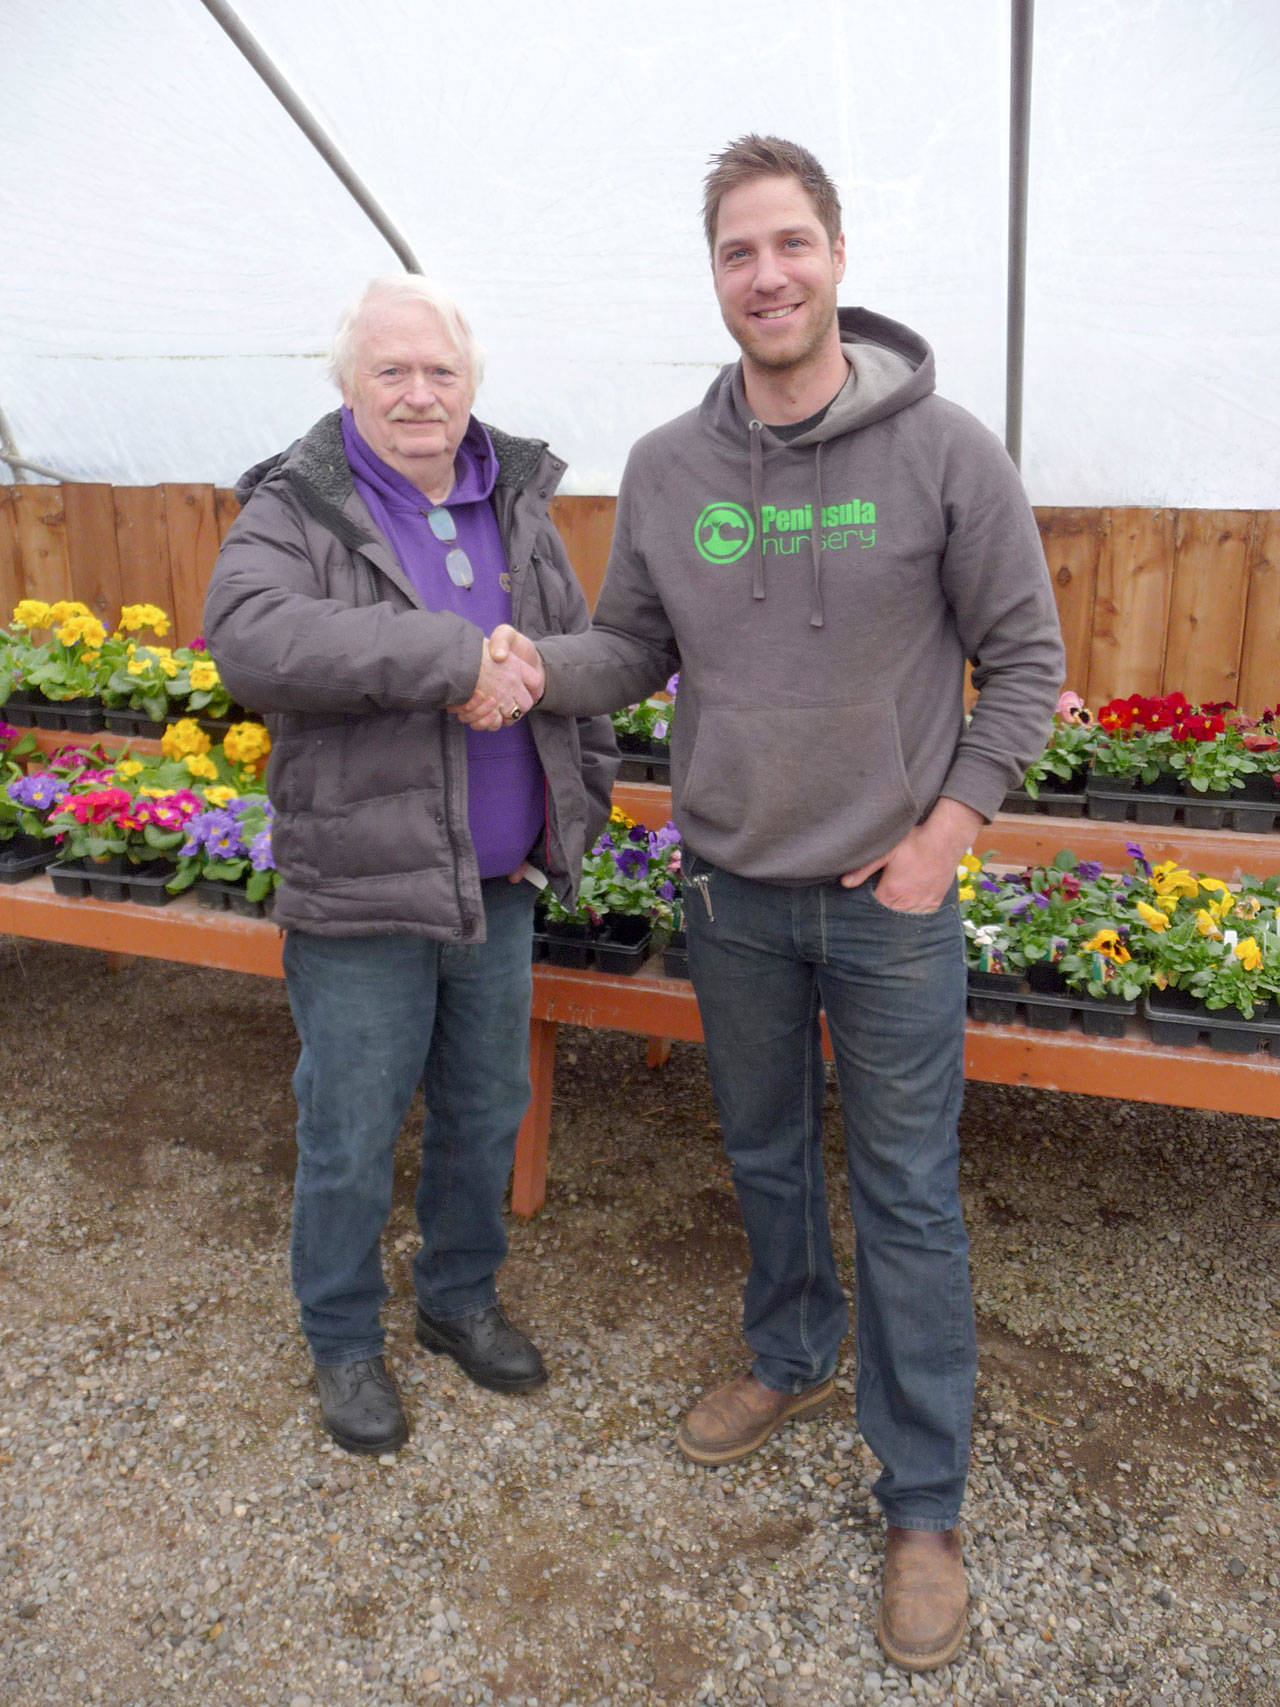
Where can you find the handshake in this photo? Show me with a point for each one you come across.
(511, 681)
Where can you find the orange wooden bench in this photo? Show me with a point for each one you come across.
(652, 1005)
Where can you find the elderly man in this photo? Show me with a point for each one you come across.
(351, 604)
(819, 547)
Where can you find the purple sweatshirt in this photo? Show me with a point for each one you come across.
(505, 785)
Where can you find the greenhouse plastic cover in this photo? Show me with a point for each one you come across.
(175, 252)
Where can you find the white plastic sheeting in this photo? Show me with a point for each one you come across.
(173, 252)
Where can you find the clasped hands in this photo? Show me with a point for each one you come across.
(511, 681)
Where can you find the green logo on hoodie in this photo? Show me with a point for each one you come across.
(723, 533)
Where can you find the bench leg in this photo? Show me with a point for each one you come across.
(658, 1053)
(529, 1179)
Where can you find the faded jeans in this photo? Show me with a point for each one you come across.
(376, 1016)
(764, 959)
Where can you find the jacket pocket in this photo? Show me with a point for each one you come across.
(797, 793)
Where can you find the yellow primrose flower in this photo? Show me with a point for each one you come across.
(1206, 924)
(1248, 954)
(1108, 942)
(128, 767)
(31, 613)
(204, 675)
(139, 664)
(1158, 920)
(247, 743)
(136, 617)
(63, 609)
(1169, 878)
(84, 627)
(220, 795)
(184, 737)
(200, 764)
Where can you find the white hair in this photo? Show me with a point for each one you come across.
(402, 287)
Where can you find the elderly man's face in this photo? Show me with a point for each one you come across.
(412, 393)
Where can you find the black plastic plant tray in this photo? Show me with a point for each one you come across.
(1065, 805)
(1228, 1032)
(1099, 1016)
(25, 856)
(142, 884)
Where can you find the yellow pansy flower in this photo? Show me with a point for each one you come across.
(1158, 920)
(1248, 954)
(1206, 924)
(965, 891)
(1169, 878)
(1108, 942)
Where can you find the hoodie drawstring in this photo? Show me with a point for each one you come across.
(817, 619)
(816, 616)
(757, 504)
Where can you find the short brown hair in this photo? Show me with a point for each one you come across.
(768, 157)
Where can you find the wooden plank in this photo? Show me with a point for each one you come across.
(586, 526)
(10, 566)
(1260, 651)
(193, 547)
(91, 548)
(142, 542)
(1207, 606)
(1131, 606)
(226, 508)
(1072, 540)
(39, 523)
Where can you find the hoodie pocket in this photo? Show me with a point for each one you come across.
(797, 793)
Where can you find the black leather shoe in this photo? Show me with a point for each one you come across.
(487, 1348)
(361, 1405)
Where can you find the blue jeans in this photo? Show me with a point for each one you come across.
(376, 1016)
(764, 960)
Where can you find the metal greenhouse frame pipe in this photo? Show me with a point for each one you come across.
(1019, 159)
(328, 151)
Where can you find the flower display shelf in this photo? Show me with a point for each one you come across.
(114, 881)
(1004, 998)
(37, 712)
(1124, 799)
(216, 896)
(1176, 1018)
(23, 856)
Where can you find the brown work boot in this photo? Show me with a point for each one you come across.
(926, 1601)
(731, 1422)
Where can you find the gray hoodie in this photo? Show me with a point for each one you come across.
(820, 599)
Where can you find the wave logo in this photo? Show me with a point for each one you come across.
(723, 533)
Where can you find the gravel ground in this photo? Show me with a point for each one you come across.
(176, 1527)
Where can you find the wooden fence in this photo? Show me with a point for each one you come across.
(1151, 600)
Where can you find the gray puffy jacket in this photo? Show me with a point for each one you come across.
(313, 623)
